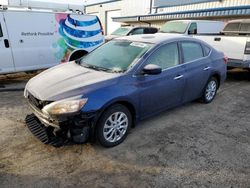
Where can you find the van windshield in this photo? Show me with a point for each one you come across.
(174, 27)
(115, 56)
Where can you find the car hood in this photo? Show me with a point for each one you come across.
(66, 80)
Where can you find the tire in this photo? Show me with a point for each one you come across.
(114, 125)
(210, 90)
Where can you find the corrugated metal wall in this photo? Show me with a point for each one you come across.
(200, 6)
(142, 7)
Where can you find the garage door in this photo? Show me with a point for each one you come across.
(110, 25)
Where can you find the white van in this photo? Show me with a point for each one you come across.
(32, 40)
(192, 27)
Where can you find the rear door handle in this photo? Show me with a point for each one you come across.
(6, 43)
(178, 77)
(206, 68)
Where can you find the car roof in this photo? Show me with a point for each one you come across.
(156, 38)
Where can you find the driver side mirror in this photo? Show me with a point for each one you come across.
(152, 69)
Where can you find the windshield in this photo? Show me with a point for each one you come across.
(115, 56)
(122, 31)
(174, 27)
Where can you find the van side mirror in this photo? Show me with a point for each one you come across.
(151, 69)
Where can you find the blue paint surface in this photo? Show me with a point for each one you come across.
(82, 23)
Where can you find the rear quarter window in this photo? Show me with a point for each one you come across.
(191, 51)
(207, 50)
(1, 32)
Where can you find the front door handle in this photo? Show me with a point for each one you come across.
(6, 43)
(206, 68)
(178, 77)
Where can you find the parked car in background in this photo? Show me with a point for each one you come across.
(233, 39)
(130, 30)
(33, 40)
(120, 83)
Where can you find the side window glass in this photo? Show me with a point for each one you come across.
(1, 32)
(166, 56)
(232, 27)
(192, 29)
(245, 27)
(137, 31)
(191, 51)
(206, 50)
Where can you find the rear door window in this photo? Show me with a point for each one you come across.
(150, 30)
(166, 56)
(191, 51)
(1, 32)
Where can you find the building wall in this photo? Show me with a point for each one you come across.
(207, 5)
(101, 11)
(132, 8)
(127, 7)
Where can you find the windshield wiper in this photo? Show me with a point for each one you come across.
(117, 71)
(96, 68)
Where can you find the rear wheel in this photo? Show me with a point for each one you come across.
(113, 126)
(210, 90)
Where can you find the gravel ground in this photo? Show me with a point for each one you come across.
(194, 145)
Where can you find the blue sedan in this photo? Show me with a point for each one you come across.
(107, 91)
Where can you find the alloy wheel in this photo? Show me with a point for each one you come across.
(211, 90)
(115, 126)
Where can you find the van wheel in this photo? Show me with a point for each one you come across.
(210, 90)
(113, 126)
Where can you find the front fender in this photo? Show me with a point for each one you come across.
(104, 97)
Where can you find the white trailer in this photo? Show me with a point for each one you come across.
(38, 39)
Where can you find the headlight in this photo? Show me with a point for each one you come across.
(64, 106)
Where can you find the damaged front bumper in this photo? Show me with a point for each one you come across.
(59, 130)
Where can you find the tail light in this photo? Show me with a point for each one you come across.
(225, 59)
(247, 48)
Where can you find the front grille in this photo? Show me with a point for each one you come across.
(36, 102)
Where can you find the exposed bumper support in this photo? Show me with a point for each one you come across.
(41, 132)
(58, 131)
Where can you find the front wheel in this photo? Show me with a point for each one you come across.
(210, 90)
(113, 126)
